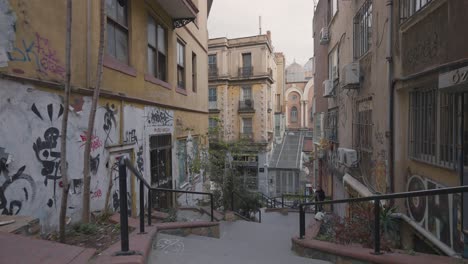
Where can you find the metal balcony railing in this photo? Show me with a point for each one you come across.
(246, 106)
(247, 135)
(245, 71)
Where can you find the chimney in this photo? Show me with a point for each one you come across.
(269, 35)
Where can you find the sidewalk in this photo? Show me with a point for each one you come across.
(19, 249)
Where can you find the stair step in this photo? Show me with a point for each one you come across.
(18, 224)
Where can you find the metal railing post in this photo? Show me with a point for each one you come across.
(212, 205)
(301, 222)
(377, 227)
(142, 208)
(123, 206)
(149, 207)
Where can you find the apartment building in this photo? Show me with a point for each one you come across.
(243, 91)
(152, 108)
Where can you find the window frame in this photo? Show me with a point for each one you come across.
(156, 50)
(244, 126)
(362, 29)
(117, 25)
(408, 8)
(194, 72)
(294, 114)
(181, 78)
(363, 125)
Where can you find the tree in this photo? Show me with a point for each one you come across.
(64, 132)
(92, 116)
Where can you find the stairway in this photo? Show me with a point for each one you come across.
(287, 154)
(240, 242)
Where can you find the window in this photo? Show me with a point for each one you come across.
(247, 126)
(331, 125)
(157, 50)
(363, 29)
(294, 114)
(194, 72)
(247, 93)
(432, 127)
(410, 7)
(333, 7)
(212, 65)
(180, 65)
(212, 123)
(117, 30)
(212, 98)
(333, 66)
(363, 125)
(246, 69)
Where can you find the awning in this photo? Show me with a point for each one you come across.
(182, 12)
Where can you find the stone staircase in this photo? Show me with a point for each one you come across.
(239, 242)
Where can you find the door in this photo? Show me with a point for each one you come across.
(161, 169)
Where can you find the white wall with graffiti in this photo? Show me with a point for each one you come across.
(30, 180)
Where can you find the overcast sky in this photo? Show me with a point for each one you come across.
(290, 23)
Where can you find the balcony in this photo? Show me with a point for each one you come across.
(213, 106)
(182, 12)
(246, 106)
(212, 72)
(246, 136)
(245, 72)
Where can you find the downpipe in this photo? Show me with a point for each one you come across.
(390, 166)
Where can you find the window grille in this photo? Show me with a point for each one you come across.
(363, 29)
(411, 7)
(363, 125)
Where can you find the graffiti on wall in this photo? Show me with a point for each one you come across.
(96, 142)
(41, 53)
(46, 148)
(440, 214)
(110, 121)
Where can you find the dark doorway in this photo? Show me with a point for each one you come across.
(161, 169)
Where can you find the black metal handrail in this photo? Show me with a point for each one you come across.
(377, 199)
(125, 164)
(243, 200)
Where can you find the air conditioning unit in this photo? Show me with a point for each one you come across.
(347, 157)
(324, 36)
(327, 88)
(350, 76)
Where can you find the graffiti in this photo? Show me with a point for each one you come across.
(77, 184)
(97, 194)
(169, 245)
(96, 142)
(94, 163)
(77, 104)
(5, 159)
(7, 31)
(15, 191)
(46, 149)
(109, 121)
(422, 51)
(116, 202)
(139, 161)
(40, 53)
(131, 137)
(160, 117)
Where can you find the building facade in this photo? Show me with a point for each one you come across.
(243, 90)
(152, 108)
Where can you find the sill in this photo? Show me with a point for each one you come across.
(420, 15)
(181, 91)
(150, 78)
(114, 64)
(450, 168)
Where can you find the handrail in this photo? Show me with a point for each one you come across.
(377, 199)
(242, 198)
(124, 164)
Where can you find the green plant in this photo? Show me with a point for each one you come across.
(172, 215)
(87, 229)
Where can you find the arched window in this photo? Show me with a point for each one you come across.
(294, 114)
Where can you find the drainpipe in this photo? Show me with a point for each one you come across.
(88, 43)
(391, 138)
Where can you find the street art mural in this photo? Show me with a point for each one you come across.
(440, 214)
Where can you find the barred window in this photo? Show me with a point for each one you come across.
(432, 127)
(363, 29)
(411, 7)
(331, 125)
(363, 125)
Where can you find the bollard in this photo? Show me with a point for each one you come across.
(377, 227)
(301, 222)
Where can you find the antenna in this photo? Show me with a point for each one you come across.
(260, 24)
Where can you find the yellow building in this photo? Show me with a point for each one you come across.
(242, 93)
(153, 104)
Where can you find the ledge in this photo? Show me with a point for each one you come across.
(114, 64)
(151, 79)
(181, 91)
(336, 253)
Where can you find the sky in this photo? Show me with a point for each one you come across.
(290, 23)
